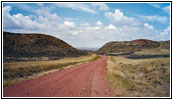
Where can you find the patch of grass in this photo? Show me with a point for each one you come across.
(139, 77)
(94, 59)
(14, 72)
(155, 51)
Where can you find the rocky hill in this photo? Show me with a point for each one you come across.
(131, 46)
(36, 45)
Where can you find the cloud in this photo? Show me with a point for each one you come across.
(110, 27)
(154, 18)
(7, 19)
(78, 34)
(44, 23)
(101, 6)
(84, 24)
(166, 9)
(90, 8)
(118, 18)
(164, 34)
(154, 5)
(6, 9)
(76, 6)
(166, 31)
(69, 24)
(17, 21)
(99, 23)
(45, 13)
(148, 26)
(40, 4)
(96, 28)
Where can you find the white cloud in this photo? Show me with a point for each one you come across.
(75, 32)
(17, 21)
(110, 27)
(166, 31)
(166, 9)
(102, 6)
(90, 8)
(7, 19)
(45, 13)
(40, 4)
(154, 5)
(148, 26)
(96, 28)
(164, 34)
(154, 18)
(99, 23)
(84, 24)
(76, 6)
(6, 9)
(118, 18)
(69, 24)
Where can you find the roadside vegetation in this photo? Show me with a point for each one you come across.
(139, 77)
(15, 72)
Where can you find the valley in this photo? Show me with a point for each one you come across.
(137, 68)
(86, 49)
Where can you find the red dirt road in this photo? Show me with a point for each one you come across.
(85, 80)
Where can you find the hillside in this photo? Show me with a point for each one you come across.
(131, 46)
(17, 46)
(165, 44)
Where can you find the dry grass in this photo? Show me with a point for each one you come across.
(15, 72)
(139, 78)
(154, 51)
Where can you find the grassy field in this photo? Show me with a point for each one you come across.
(139, 77)
(15, 72)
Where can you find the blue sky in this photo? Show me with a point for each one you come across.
(90, 24)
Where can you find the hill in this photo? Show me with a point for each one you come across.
(131, 46)
(165, 44)
(17, 46)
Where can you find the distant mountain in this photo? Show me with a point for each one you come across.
(88, 48)
(36, 45)
(131, 46)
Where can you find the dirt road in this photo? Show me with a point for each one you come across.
(85, 80)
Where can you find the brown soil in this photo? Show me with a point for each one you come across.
(85, 80)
